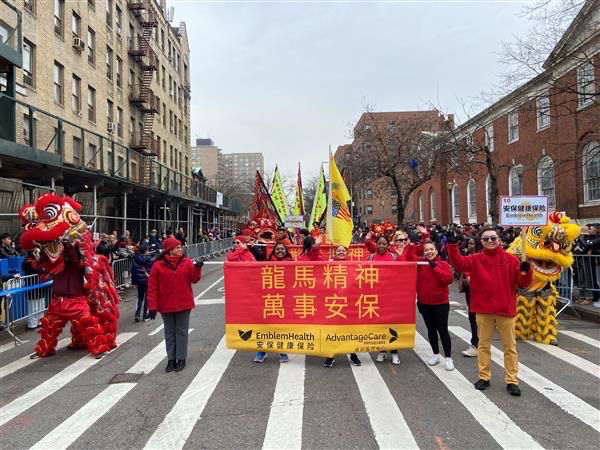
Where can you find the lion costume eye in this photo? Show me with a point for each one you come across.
(51, 211)
(536, 232)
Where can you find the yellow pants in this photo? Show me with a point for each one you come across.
(506, 329)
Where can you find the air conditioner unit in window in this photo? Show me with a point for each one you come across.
(111, 127)
(78, 44)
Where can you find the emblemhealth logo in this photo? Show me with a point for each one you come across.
(245, 335)
(394, 335)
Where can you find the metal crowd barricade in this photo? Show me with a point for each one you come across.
(122, 271)
(564, 286)
(586, 274)
(25, 298)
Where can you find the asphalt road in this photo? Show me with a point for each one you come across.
(224, 400)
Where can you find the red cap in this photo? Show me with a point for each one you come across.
(170, 243)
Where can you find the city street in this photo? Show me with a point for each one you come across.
(224, 400)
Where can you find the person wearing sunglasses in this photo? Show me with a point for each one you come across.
(240, 250)
(495, 277)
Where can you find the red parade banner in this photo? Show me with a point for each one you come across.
(320, 308)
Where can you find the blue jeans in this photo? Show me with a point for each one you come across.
(142, 300)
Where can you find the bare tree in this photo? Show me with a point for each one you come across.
(310, 186)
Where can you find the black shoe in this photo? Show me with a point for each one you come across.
(354, 359)
(180, 365)
(513, 389)
(482, 385)
(137, 318)
(170, 365)
(329, 362)
(100, 355)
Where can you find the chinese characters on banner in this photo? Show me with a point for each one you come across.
(524, 210)
(356, 252)
(320, 308)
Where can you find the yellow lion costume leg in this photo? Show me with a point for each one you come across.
(545, 317)
(524, 321)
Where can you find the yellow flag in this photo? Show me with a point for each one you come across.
(299, 202)
(278, 195)
(319, 203)
(339, 220)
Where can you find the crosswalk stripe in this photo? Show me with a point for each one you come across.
(210, 301)
(50, 386)
(581, 337)
(156, 330)
(26, 360)
(461, 312)
(492, 419)
(577, 361)
(284, 428)
(553, 392)
(455, 303)
(179, 423)
(11, 345)
(387, 421)
(209, 288)
(71, 429)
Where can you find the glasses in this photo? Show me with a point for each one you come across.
(491, 238)
(401, 240)
(237, 243)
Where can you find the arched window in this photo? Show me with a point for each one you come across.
(432, 205)
(421, 210)
(515, 180)
(488, 198)
(455, 204)
(545, 176)
(472, 200)
(591, 172)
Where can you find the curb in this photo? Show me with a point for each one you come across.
(587, 312)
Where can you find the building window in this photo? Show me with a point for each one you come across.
(515, 180)
(162, 43)
(76, 151)
(121, 166)
(28, 63)
(432, 205)
(92, 4)
(76, 94)
(109, 111)
(488, 137)
(76, 25)
(164, 75)
(368, 194)
(543, 112)
(109, 63)
(26, 130)
(488, 197)
(369, 210)
(109, 8)
(91, 43)
(421, 210)
(119, 72)
(59, 14)
(119, 122)
(472, 201)
(58, 83)
(513, 126)
(164, 115)
(29, 6)
(119, 21)
(90, 157)
(585, 85)
(591, 171)
(455, 203)
(546, 180)
(91, 98)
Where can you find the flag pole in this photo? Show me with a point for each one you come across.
(329, 204)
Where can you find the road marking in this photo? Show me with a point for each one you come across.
(209, 288)
(284, 428)
(577, 361)
(582, 338)
(11, 345)
(210, 301)
(71, 429)
(455, 303)
(177, 426)
(501, 427)
(553, 392)
(156, 330)
(387, 421)
(50, 386)
(26, 360)
(461, 312)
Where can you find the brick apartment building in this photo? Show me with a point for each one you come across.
(544, 138)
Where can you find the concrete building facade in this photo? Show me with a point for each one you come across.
(207, 156)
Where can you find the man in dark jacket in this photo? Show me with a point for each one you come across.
(140, 272)
(154, 241)
(6, 248)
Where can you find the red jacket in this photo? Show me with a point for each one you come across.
(432, 284)
(170, 287)
(314, 254)
(386, 257)
(495, 276)
(240, 254)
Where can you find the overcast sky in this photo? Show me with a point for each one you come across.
(288, 79)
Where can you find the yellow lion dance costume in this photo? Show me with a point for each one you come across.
(548, 250)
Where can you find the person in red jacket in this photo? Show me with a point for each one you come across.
(240, 250)
(432, 301)
(495, 276)
(282, 236)
(311, 249)
(170, 293)
(383, 252)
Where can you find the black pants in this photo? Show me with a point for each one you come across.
(142, 301)
(436, 321)
(176, 334)
(472, 319)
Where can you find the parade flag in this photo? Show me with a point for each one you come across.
(262, 204)
(339, 220)
(278, 195)
(319, 203)
(320, 308)
(299, 202)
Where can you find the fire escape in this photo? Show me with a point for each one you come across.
(141, 94)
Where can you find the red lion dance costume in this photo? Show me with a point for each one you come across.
(83, 290)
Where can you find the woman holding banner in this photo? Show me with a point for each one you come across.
(311, 250)
(341, 254)
(280, 253)
(240, 250)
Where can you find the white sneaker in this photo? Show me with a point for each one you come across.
(435, 359)
(470, 352)
(380, 357)
(449, 364)
(596, 304)
(395, 359)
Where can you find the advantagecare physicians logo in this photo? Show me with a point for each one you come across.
(245, 335)
(394, 335)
